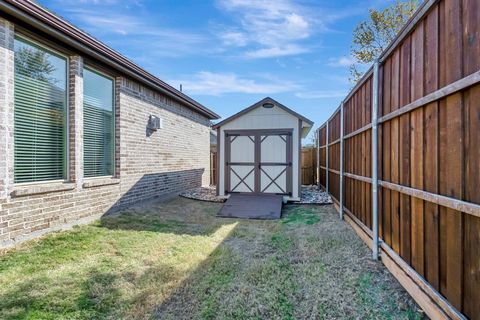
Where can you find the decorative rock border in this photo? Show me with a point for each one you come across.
(203, 194)
(310, 195)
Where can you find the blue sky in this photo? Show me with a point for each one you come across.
(228, 54)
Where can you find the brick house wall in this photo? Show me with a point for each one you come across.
(147, 165)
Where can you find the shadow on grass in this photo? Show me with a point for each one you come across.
(42, 297)
(178, 216)
(196, 266)
(151, 186)
(101, 289)
(199, 219)
(98, 295)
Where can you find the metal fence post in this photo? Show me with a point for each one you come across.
(375, 161)
(317, 171)
(326, 159)
(341, 161)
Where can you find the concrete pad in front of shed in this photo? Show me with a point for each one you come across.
(252, 206)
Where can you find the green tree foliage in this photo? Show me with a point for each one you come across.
(372, 36)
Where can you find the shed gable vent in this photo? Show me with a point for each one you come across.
(268, 105)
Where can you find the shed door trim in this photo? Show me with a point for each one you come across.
(251, 173)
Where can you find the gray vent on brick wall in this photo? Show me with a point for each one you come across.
(154, 123)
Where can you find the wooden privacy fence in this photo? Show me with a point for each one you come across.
(213, 168)
(309, 165)
(401, 157)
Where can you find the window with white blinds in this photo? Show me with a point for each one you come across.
(40, 101)
(98, 124)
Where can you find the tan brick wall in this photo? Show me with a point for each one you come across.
(6, 106)
(171, 159)
(75, 119)
(148, 165)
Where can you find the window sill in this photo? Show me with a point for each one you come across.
(98, 182)
(28, 190)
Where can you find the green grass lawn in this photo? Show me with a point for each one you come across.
(175, 260)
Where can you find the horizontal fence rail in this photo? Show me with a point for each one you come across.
(401, 158)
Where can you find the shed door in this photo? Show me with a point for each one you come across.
(240, 165)
(275, 163)
(258, 161)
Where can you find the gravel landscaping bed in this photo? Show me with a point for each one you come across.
(314, 195)
(310, 195)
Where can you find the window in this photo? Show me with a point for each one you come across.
(98, 124)
(40, 113)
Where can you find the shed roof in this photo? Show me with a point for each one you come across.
(260, 103)
(36, 16)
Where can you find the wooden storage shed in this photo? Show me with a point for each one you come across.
(259, 150)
